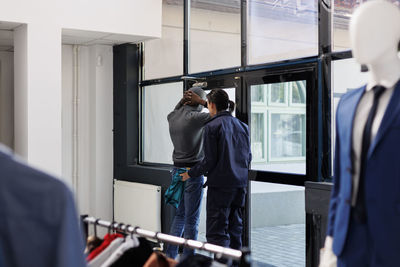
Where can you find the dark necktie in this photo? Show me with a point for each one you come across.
(359, 210)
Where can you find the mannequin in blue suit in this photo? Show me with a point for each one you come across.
(375, 241)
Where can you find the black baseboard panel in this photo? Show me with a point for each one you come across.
(317, 207)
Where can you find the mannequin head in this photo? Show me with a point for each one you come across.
(375, 31)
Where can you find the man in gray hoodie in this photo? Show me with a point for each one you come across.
(186, 124)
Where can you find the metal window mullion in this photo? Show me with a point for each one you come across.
(323, 104)
(243, 32)
(186, 39)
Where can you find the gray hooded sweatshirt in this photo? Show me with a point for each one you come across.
(186, 130)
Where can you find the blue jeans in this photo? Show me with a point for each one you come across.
(187, 215)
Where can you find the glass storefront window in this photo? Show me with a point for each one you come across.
(157, 102)
(287, 136)
(214, 35)
(257, 136)
(342, 12)
(164, 57)
(298, 93)
(278, 127)
(277, 93)
(281, 29)
(278, 232)
(257, 93)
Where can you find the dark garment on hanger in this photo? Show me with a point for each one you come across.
(196, 260)
(92, 243)
(135, 257)
(38, 220)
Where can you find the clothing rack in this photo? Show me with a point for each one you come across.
(243, 256)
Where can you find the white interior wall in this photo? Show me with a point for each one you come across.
(95, 122)
(129, 17)
(21, 91)
(38, 95)
(37, 104)
(67, 114)
(101, 59)
(7, 98)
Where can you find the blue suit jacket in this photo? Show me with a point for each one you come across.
(38, 220)
(382, 178)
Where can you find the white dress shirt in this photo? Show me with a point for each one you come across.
(360, 120)
(106, 253)
(130, 242)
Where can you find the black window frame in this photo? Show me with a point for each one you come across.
(128, 81)
(306, 72)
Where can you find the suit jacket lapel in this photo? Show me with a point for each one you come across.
(392, 111)
(348, 121)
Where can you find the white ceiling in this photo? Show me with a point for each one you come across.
(89, 38)
(69, 37)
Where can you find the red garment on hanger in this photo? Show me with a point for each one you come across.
(108, 238)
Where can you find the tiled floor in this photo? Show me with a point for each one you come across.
(277, 246)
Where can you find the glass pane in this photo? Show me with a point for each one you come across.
(158, 101)
(214, 34)
(277, 225)
(288, 135)
(346, 76)
(257, 136)
(164, 57)
(298, 90)
(257, 93)
(341, 17)
(282, 29)
(278, 93)
(342, 12)
(278, 130)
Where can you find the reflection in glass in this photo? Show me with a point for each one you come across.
(214, 35)
(278, 127)
(158, 101)
(164, 57)
(257, 93)
(287, 135)
(257, 135)
(298, 92)
(282, 29)
(343, 10)
(278, 93)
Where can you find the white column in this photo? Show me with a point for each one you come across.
(94, 169)
(37, 49)
(7, 99)
(101, 110)
(21, 91)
